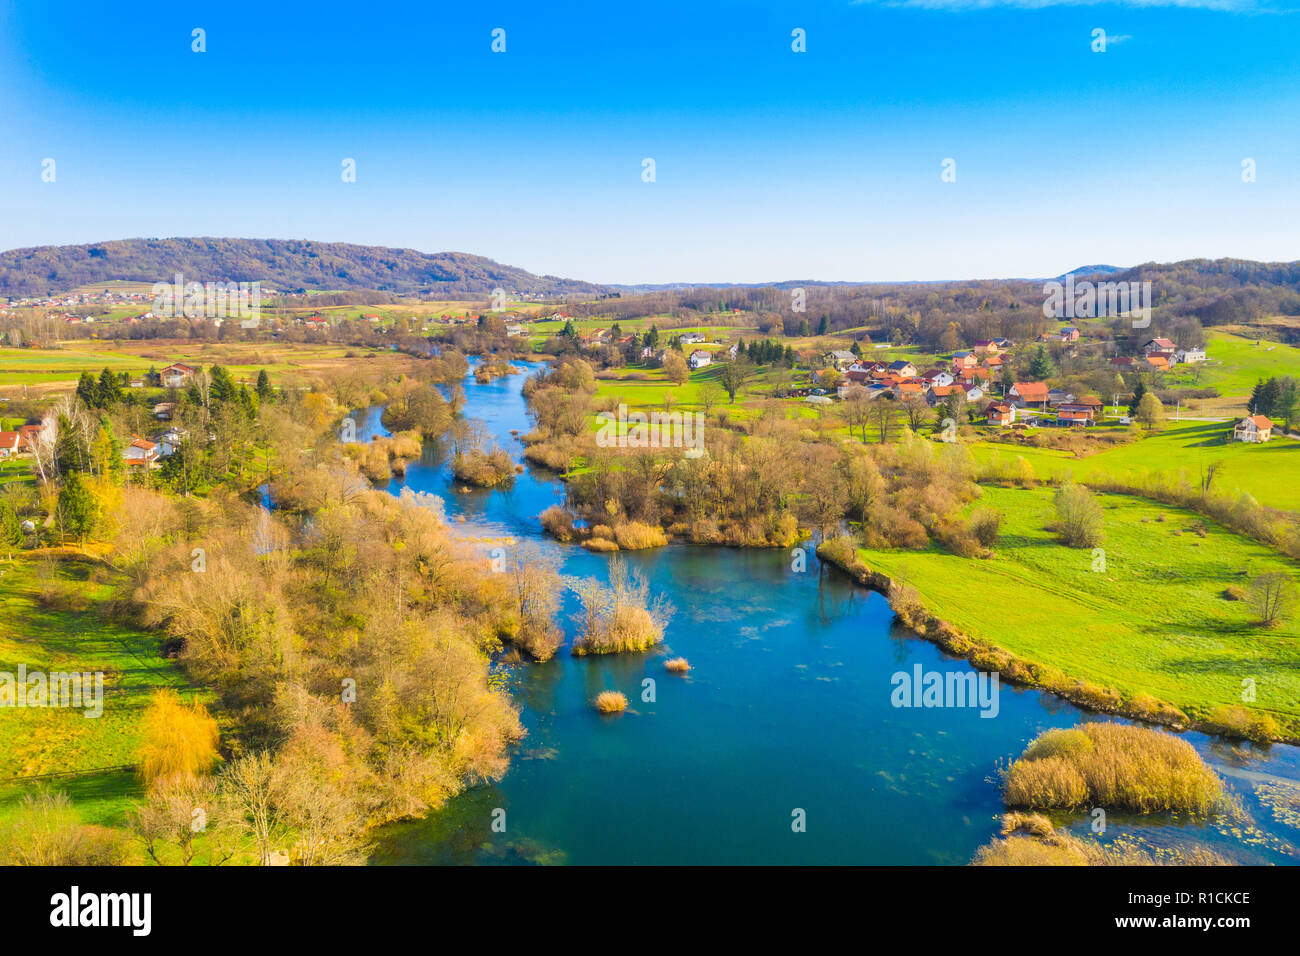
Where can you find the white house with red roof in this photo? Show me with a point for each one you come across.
(1256, 428)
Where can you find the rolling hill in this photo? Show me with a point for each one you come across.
(283, 264)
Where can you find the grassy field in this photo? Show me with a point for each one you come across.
(1155, 620)
(46, 740)
(51, 368)
(1270, 472)
(1237, 360)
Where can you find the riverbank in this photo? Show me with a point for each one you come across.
(1100, 639)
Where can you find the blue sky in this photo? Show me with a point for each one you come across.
(770, 164)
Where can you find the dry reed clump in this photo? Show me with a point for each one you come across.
(600, 545)
(677, 665)
(1030, 839)
(611, 702)
(636, 535)
(1119, 766)
(622, 617)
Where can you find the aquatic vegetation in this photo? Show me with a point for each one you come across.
(621, 617)
(1117, 767)
(1030, 839)
(610, 702)
(677, 665)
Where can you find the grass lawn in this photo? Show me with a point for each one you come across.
(1236, 362)
(1154, 621)
(1270, 472)
(35, 741)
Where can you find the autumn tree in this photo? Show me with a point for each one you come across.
(180, 741)
(675, 368)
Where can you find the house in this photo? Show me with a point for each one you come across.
(141, 453)
(903, 369)
(1194, 354)
(1069, 334)
(1001, 414)
(516, 330)
(1024, 394)
(1157, 345)
(840, 358)
(10, 444)
(1058, 396)
(169, 441)
(987, 347)
(30, 434)
(937, 376)
(1074, 416)
(175, 376)
(1122, 361)
(906, 390)
(689, 338)
(1256, 428)
(700, 358)
(1091, 402)
(973, 392)
(936, 395)
(163, 410)
(1157, 363)
(961, 360)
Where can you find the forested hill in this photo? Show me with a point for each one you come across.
(282, 264)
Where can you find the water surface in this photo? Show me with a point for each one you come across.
(787, 708)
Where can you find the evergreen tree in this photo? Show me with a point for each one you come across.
(11, 527)
(1138, 391)
(824, 325)
(223, 389)
(264, 390)
(87, 390)
(76, 507)
(1040, 366)
(110, 390)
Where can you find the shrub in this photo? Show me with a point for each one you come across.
(600, 545)
(986, 525)
(558, 523)
(1080, 521)
(1238, 721)
(611, 702)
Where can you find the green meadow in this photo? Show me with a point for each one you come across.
(1155, 620)
(1237, 360)
(75, 634)
(1270, 472)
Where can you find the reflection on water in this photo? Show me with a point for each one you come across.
(786, 708)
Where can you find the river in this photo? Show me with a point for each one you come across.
(786, 714)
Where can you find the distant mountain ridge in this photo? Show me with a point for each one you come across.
(283, 264)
